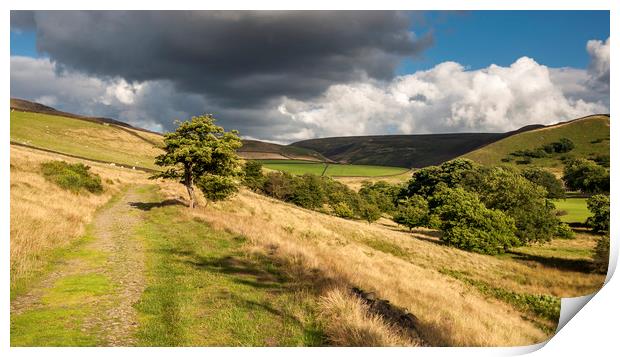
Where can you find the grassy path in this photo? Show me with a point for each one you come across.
(87, 299)
(147, 273)
(206, 289)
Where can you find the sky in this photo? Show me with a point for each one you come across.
(288, 76)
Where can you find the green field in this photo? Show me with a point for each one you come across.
(300, 167)
(576, 208)
(590, 135)
(82, 138)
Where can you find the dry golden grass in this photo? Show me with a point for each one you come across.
(355, 183)
(450, 313)
(335, 253)
(349, 323)
(44, 216)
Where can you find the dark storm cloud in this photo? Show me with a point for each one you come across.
(236, 59)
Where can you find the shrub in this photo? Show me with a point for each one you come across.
(467, 224)
(369, 212)
(217, 188)
(547, 180)
(341, 209)
(564, 145)
(253, 176)
(586, 176)
(524, 161)
(599, 206)
(412, 212)
(601, 255)
(72, 177)
(279, 185)
(563, 230)
(382, 194)
(601, 159)
(308, 191)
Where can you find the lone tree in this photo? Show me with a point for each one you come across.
(200, 151)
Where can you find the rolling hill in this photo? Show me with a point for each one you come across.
(260, 150)
(248, 271)
(398, 150)
(32, 120)
(589, 134)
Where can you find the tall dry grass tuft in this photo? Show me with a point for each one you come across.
(349, 323)
(44, 216)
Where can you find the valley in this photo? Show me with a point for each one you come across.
(133, 265)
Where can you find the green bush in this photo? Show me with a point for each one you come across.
(564, 145)
(601, 255)
(547, 180)
(279, 185)
(599, 206)
(467, 224)
(217, 188)
(369, 212)
(341, 209)
(73, 177)
(586, 176)
(308, 191)
(253, 177)
(563, 230)
(524, 161)
(382, 194)
(412, 212)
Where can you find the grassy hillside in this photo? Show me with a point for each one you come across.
(590, 135)
(254, 149)
(98, 141)
(258, 271)
(33, 107)
(133, 265)
(398, 150)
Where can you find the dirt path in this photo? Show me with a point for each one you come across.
(92, 290)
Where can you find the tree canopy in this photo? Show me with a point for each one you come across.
(201, 152)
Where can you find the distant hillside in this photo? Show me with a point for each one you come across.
(589, 134)
(399, 150)
(416, 151)
(254, 149)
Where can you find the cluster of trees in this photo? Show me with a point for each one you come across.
(481, 208)
(564, 145)
(586, 176)
(485, 209)
(561, 146)
(316, 192)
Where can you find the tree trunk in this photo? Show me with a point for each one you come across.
(189, 184)
(192, 197)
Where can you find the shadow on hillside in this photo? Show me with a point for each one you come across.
(147, 206)
(575, 265)
(429, 239)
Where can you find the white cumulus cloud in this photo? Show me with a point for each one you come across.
(599, 66)
(449, 98)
